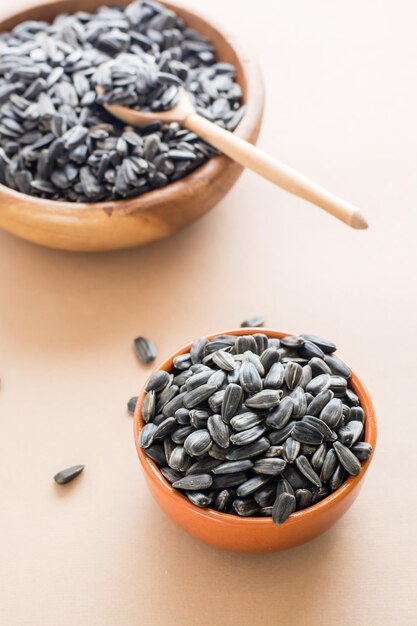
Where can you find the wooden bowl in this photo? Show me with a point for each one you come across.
(254, 534)
(158, 213)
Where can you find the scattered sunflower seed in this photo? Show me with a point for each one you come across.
(68, 474)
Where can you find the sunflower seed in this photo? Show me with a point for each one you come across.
(158, 381)
(194, 482)
(157, 454)
(265, 495)
(324, 344)
(275, 377)
(253, 322)
(233, 396)
(244, 421)
(337, 478)
(337, 366)
(347, 459)
(165, 396)
(218, 430)
(246, 437)
(281, 415)
(165, 428)
(284, 486)
(177, 402)
(218, 453)
(224, 360)
(332, 413)
(271, 467)
(329, 465)
(251, 485)
(198, 442)
(283, 506)
(318, 384)
(357, 414)
(195, 397)
(249, 377)
(179, 460)
(320, 425)
(182, 416)
(171, 475)
(131, 405)
(279, 436)
(269, 357)
(290, 449)
(293, 374)
(362, 450)
(68, 474)
(274, 451)
(197, 350)
(263, 400)
(222, 500)
(304, 498)
(292, 341)
(145, 350)
(203, 466)
(306, 433)
(232, 467)
(245, 508)
(299, 402)
(305, 468)
(318, 457)
(247, 452)
(225, 481)
(147, 435)
(199, 499)
(148, 406)
(169, 445)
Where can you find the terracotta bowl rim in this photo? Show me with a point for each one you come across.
(154, 474)
(254, 102)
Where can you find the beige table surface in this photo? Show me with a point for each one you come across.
(341, 107)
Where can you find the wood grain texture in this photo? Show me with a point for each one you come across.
(156, 214)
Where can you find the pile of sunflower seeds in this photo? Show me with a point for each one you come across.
(57, 141)
(255, 426)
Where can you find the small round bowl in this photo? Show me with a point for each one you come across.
(158, 213)
(254, 534)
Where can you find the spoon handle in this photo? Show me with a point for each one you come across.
(282, 175)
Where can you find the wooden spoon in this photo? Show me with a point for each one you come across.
(244, 153)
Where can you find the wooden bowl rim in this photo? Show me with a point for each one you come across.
(253, 100)
(299, 517)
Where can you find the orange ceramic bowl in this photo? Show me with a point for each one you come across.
(254, 534)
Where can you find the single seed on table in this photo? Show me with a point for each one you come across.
(275, 377)
(218, 430)
(145, 350)
(251, 485)
(246, 437)
(269, 466)
(290, 449)
(158, 381)
(148, 406)
(249, 377)
(147, 435)
(263, 400)
(283, 506)
(253, 322)
(347, 459)
(305, 468)
(199, 499)
(131, 405)
(224, 360)
(245, 508)
(194, 482)
(68, 474)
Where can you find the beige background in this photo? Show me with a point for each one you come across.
(341, 107)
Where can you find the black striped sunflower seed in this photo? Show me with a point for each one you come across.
(66, 475)
(269, 466)
(349, 461)
(198, 442)
(303, 465)
(145, 349)
(194, 482)
(218, 430)
(283, 506)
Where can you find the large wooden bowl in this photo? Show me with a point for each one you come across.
(158, 213)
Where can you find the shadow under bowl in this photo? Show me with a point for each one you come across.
(254, 534)
(158, 213)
